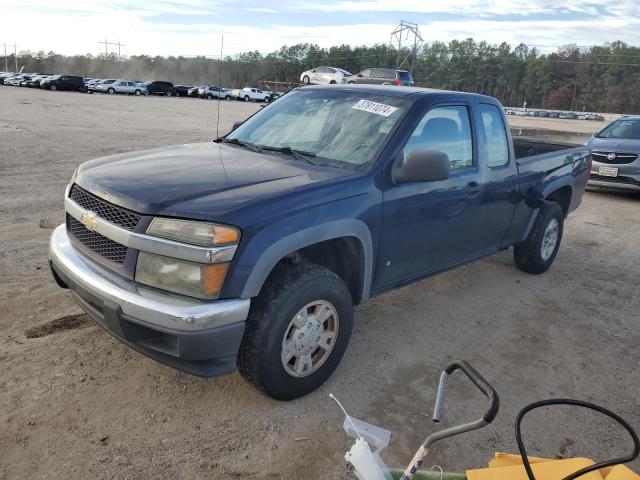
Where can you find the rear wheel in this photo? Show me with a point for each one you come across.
(297, 331)
(332, 82)
(209, 97)
(537, 253)
(246, 98)
(138, 93)
(169, 94)
(53, 88)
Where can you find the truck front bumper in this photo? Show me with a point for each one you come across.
(198, 337)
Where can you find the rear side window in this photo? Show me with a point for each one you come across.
(446, 129)
(495, 135)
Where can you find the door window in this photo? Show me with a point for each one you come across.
(445, 129)
(495, 135)
(366, 73)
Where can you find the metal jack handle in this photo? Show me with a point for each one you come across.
(488, 417)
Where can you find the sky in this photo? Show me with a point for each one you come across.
(195, 27)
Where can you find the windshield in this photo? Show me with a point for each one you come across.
(623, 128)
(340, 128)
(404, 76)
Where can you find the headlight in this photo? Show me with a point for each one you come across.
(196, 233)
(188, 278)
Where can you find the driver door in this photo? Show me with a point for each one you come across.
(430, 226)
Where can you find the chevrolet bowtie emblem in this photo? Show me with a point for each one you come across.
(88, 219)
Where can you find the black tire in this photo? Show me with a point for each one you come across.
(169, 94)
(332, 82)
(287, 290)
(306, 80)
(246, 98)
(209, 97)
(528, 255)
(351, 82)
(267, 99)
(137, 93)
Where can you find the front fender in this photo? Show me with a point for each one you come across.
(308, 236)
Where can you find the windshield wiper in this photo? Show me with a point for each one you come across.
(297, 154)
(240, 143)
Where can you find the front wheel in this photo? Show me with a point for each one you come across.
(536, 254)
(111, 91)
(297, 331)
(267, 99)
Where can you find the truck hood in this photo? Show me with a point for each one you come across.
(199, 181)
(614, 144)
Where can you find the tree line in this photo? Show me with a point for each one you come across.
(603, 78)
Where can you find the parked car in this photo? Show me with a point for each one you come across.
(324, 75)
(193, 91)
(210, 92)
(382, 76)
(616, 155)
(37, 79)
(252, 251)
(554, 114)
(121, 86)
(251, 94)
(5, 76)
(64, 82)
(182, 90)
(568, 116)
(158, 87)
(15, 80)
(92, 87)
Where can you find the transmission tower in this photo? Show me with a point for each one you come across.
(406, 35)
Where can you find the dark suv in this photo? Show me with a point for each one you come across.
(159, 87)
(382, 76)
(64, 82)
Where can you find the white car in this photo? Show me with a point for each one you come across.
(249, 94)
(324, 75)
(121, 86)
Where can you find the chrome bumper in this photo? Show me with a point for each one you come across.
(147, 307)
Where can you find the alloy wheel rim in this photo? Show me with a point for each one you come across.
(310, 338)
(549, 239)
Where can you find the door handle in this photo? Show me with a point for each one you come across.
(473, 188)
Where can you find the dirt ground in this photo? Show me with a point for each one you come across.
(75, 403)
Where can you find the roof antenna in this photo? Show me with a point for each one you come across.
(219, 87)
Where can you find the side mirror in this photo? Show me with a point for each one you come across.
(236, 125)
(423, 166)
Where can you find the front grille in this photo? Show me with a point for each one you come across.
(111, 213)
(95, 242)
(620, 158)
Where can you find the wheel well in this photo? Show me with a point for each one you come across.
(562, 197)
(344, 256)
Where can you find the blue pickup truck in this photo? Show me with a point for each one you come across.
(251, 251)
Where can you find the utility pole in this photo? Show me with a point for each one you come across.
(106, 47)
(406, 29)
(575, 87)
(15, 55)
(6, 63)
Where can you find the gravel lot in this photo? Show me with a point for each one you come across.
(75, 403)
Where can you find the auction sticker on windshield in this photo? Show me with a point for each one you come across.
(374, 107)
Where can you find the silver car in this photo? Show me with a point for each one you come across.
(616, 155)
(121, 86)
(324, 75)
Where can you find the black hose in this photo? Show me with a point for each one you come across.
(578, 403)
